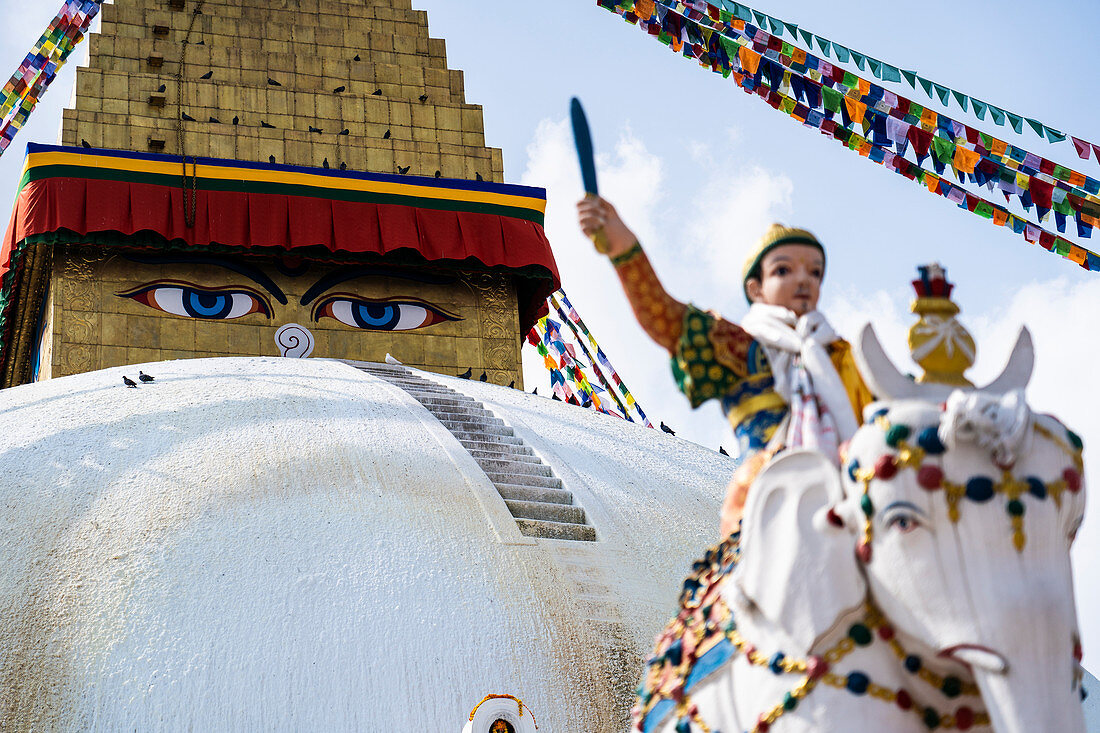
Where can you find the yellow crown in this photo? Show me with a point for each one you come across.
(777, 235)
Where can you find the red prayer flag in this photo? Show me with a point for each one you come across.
(1083, 150)
(1041, 192)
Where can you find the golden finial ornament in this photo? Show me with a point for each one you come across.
(938, 342)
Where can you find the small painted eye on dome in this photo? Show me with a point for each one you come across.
(194, 301)
(380, 315)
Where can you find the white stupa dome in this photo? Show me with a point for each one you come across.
(295, 544)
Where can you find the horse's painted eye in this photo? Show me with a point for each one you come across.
(903, 523)
(380, 315)
(195, 301)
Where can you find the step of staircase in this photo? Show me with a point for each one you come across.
(535, 497)
(524, 479)
(503, 455)
(513, 492)
(506, 466)
(556, 530)
(547, 512)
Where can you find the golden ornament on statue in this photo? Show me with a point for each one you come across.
(938, 342)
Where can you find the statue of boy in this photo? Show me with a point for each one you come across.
(783, 376)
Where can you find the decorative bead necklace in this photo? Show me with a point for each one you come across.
(978, 489)
(817, 669)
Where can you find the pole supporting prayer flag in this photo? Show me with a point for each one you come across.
(29, 83)
(834, 102)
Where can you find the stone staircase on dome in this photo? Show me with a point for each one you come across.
(536, 498)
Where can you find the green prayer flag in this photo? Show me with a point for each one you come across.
(851, 80)
(876, 67)
(984, 209)
(787, 105)
(979, 109)
(823, 45)
(943, 93)
(998, 115)
(1061, 173)
(911, 77)
(1061, 246)
(730, 47)
(832, 99)
(858, 58)
(1036, 125)
(787, 49)
(1017, 122)
(890, 73)
(792, 29)
(926, 85)
(987, 143)
(1054, 136)
(943, 149)
(916, 110)
(807, 38)
(761, 19)
(841, 53)
(960, 98)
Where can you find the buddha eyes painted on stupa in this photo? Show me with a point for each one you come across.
(216, 290)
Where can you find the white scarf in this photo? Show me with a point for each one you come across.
(821, 415)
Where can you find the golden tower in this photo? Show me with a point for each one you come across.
(322, 102)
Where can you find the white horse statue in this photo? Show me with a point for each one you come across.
(925, 586)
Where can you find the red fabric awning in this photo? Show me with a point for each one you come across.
(271, 208)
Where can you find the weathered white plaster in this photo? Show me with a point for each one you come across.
(292, 544)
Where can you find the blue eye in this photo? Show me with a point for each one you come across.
(383, 316)
(380, 315)
(191, 301)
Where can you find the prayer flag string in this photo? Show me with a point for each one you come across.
(28, 84)
(832, 100)
(889, 73)
(573, 318)
(566, 368)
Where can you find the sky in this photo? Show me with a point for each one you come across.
(699, 170)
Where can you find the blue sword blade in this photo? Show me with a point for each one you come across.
(583, 139)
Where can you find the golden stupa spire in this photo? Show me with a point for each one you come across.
(938, 342)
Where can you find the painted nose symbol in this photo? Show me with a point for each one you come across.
(294, 341)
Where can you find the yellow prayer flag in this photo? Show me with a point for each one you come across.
(1077, 254)
(1076, 179)
(929, 117)
(799, 56)
(643, 8)
(864, 86)
(1000, 216)
(931, 180)
(999, 148)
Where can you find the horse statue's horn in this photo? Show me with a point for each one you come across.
(883, 378)
(1017, 373)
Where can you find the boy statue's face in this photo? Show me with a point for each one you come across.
(790, 276)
